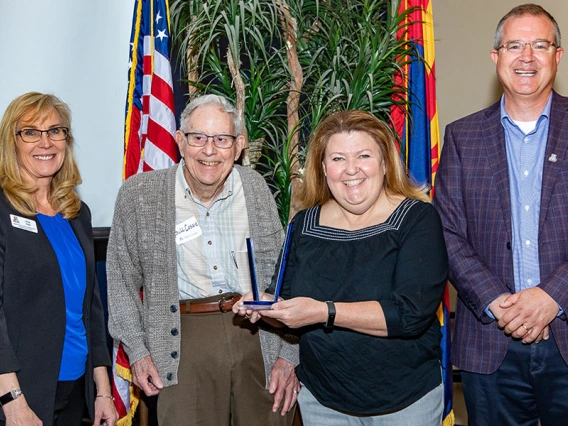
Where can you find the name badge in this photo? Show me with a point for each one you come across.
(23, 223)
(187, 230)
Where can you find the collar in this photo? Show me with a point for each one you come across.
(545, 112)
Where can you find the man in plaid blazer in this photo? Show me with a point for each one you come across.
(502, 194)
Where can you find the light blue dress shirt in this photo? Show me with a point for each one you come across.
(525, 159)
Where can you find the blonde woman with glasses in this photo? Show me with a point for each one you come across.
(53, 353)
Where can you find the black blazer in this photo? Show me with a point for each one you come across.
(32, 310)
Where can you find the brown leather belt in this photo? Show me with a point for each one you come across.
(219, 303)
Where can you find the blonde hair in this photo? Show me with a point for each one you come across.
(34, 106)
(315, 189)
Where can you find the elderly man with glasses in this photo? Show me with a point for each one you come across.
(177, 262)
(502, 194)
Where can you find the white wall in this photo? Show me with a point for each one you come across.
(77, 50)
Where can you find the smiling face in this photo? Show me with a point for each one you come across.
(207, 167)
(40, 161)
(355, 170)
(527, 75)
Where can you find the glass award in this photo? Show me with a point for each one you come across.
(256, 304)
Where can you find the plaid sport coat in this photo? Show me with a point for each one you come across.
(473, 199)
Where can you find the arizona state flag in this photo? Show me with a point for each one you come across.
(420, 142)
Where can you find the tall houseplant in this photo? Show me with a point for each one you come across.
(288, 64)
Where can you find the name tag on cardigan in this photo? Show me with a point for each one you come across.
(23, 223)
(188, 230)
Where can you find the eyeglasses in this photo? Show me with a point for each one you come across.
(538, 46)
(34, 135)
(198, 139)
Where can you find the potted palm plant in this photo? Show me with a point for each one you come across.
(288, 64)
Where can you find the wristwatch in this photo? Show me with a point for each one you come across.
(10, 396)
(328, 326)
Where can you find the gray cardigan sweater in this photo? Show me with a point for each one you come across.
(142, 254)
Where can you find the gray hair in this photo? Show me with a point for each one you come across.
(525, 9)
(224, 103)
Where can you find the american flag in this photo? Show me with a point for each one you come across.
(150, 125)
(149, 142)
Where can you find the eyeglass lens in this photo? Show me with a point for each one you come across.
(200, 139)
(34, 135)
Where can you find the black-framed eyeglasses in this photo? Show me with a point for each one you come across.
(199, 139)
(34, 135)
(538, 46)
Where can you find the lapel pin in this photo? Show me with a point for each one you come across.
(552, 158)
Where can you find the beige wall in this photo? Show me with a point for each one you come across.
(464, 32)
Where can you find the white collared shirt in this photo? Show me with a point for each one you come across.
(212, 259)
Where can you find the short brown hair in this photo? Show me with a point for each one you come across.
(522, 10)
(63, 197)
(316, 191)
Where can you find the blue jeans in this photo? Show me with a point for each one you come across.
(427, 411)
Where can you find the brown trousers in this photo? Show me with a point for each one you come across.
(221, 380)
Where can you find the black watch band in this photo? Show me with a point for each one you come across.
(10, 396)
(330, 316)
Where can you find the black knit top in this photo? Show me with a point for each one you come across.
(402, 264)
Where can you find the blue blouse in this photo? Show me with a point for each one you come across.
(74, 276)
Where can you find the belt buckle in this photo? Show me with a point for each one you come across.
(223, 300)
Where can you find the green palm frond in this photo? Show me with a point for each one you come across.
(348, 51)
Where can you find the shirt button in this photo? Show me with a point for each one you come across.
(220, 291)
(526, 140)
(173, 308)
(209, 242)
(174, 332)
(526, 173)
(174, 354)
(170, 376)
(529, 281)
(527, 208)
(207, 214)
(215, 267)
(527, 243)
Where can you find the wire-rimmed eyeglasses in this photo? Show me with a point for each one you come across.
(538, 46)
(199, 139)
(34, 135)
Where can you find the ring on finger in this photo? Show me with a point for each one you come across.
(295, 391)
(525, 327)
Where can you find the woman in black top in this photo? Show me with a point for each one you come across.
(365, 276)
